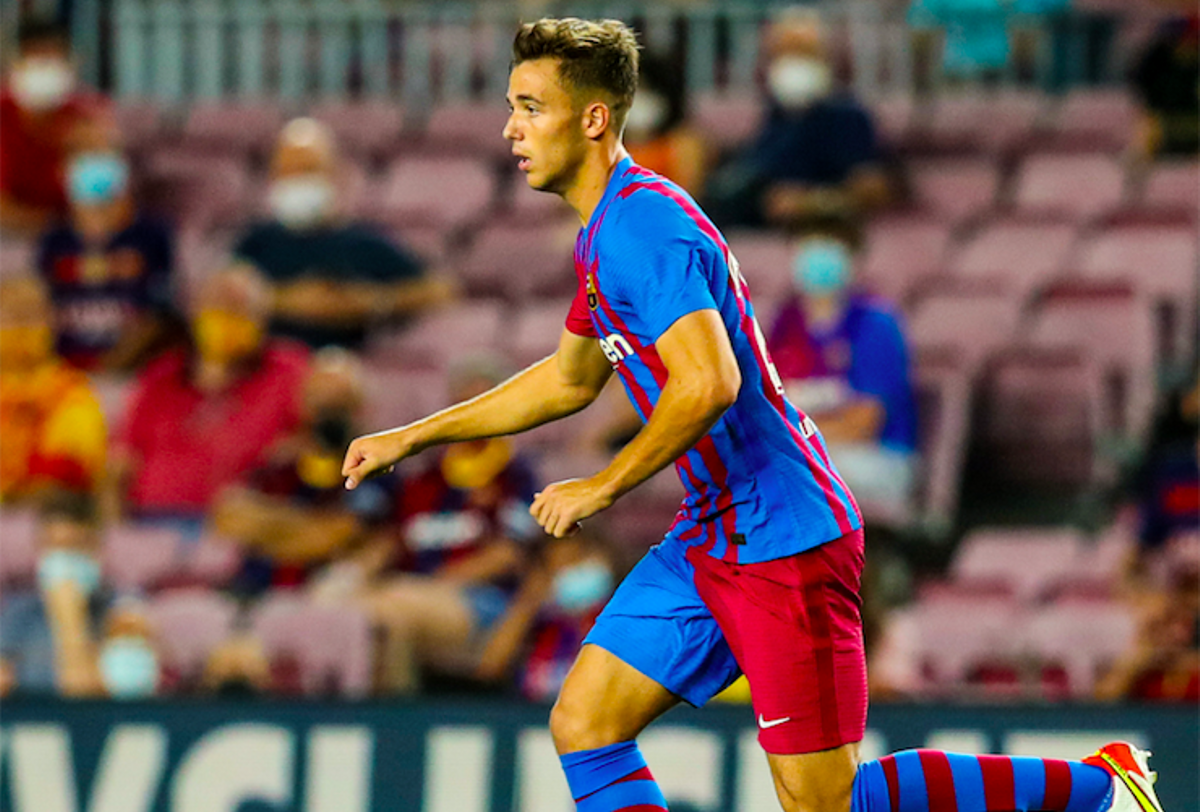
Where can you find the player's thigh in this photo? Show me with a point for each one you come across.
(604, 700)
(815, 782)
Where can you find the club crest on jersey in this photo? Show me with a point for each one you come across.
(592, 298)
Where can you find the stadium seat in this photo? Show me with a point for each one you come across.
(974, 122)
(1082, 637)
(330, 644)
(1173, 186)
(212, 560)
(239, 129)
(18, 546)
(901, 253)
(1114, 326)
(464, 191)
(139, 557)
(189, 624)
(1068, 188)
(1095, 119)
(765, 260)
(1038, 421)
(1020, 255)
(727, 120)
(427, 242)
(893, 115)
(956, 190)
(16, 256)
(468, 128)
(398, 396)
(140, 123)
(441, 335)
(950, 639)
(969, 321)
(196, 189)
(1026, 558)
(520, 261)
(526, 205)
(364, 129)
(944, 412)
(536, 330)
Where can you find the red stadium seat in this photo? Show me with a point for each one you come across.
(1173, 186)
(1026, 558)
(1020, 255)
(363, 129)
(239, 129)
(536, 330)
(1069, 188)
(519, 261)
(398, 396)
(140, 557)
(330, 644)
(944, 410)
(189, 624)
(901, 253)
(957, 190)
(470, 128)
(1101, 119)
(18, 546)
(443, 334)
(727, 120)
(445, 192)
(969, 322)
(1082, 637)
(765, 260)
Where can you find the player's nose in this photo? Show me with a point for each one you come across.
(510, 128)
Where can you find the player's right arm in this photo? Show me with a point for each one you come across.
(553, 388)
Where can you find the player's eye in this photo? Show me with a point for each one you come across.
(531, 110)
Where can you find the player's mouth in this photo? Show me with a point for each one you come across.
(524, 163)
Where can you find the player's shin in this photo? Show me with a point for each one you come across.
(925, 780)
(611, 779)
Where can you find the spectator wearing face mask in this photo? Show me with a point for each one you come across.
(656, 130)
(40, 104)
(845, 362)
(293, 512)
(48, 635)
(332, 279)
(107, 266)
(201, 419)
(816, 155)
(439, 582)
(537, 641)
(50, 420)
(127, 654)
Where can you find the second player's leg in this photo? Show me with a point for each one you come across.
(604, 701)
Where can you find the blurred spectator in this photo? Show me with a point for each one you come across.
(201, 419)
(539, 637)
(1165, 79)
(844, 360)
(39, 106)
(1164, 664)
(333, 279)
(293, 511)
(977, 36)
(128, 658)
(107, 266)
(52, 426)
(816, 154)
(463, 522)
(238, 667)
(47, 635)
(656, 131)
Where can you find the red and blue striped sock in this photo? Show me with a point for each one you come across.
(933, 781)
(612, 779)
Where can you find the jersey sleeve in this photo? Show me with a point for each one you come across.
(578, 320)
(657, 260)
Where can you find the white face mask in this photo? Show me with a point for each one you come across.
(647, 114)
(42, 83)
(303, 201)
(797, 81)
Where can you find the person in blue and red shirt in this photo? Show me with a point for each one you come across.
(108, 266)
(844, 360)
(760, 572)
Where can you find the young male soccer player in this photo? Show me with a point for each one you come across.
(760, 571)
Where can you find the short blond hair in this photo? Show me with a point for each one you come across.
(593, 55)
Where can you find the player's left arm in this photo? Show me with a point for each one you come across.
(703, 381)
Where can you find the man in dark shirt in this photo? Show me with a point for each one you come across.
(108, 268)
(333, 279)
(1165, 80)
(816, 155)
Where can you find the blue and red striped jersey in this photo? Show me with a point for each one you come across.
(760, 485)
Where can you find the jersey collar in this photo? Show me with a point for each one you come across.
(616, 182)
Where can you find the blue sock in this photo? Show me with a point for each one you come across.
(933, 781)
(612, 778)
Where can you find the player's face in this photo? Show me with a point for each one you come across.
(545, 126)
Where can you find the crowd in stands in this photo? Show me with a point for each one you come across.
(172, 514)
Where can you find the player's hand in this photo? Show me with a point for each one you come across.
(560, 507)
(375, 454)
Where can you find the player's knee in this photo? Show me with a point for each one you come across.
(576, 726)
(825, 796)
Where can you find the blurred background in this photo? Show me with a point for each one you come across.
(234, 235)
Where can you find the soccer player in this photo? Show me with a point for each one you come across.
(759, 574)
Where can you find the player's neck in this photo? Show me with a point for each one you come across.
(594, 174)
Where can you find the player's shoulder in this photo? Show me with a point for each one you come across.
(651, 207)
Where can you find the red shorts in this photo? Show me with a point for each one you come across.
(794, 626)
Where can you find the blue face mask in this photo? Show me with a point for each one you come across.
(97, 177)
(129, 668)
(581, 587)
(69, 566)
(822, 267)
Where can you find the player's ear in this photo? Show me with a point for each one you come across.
(596, 119)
